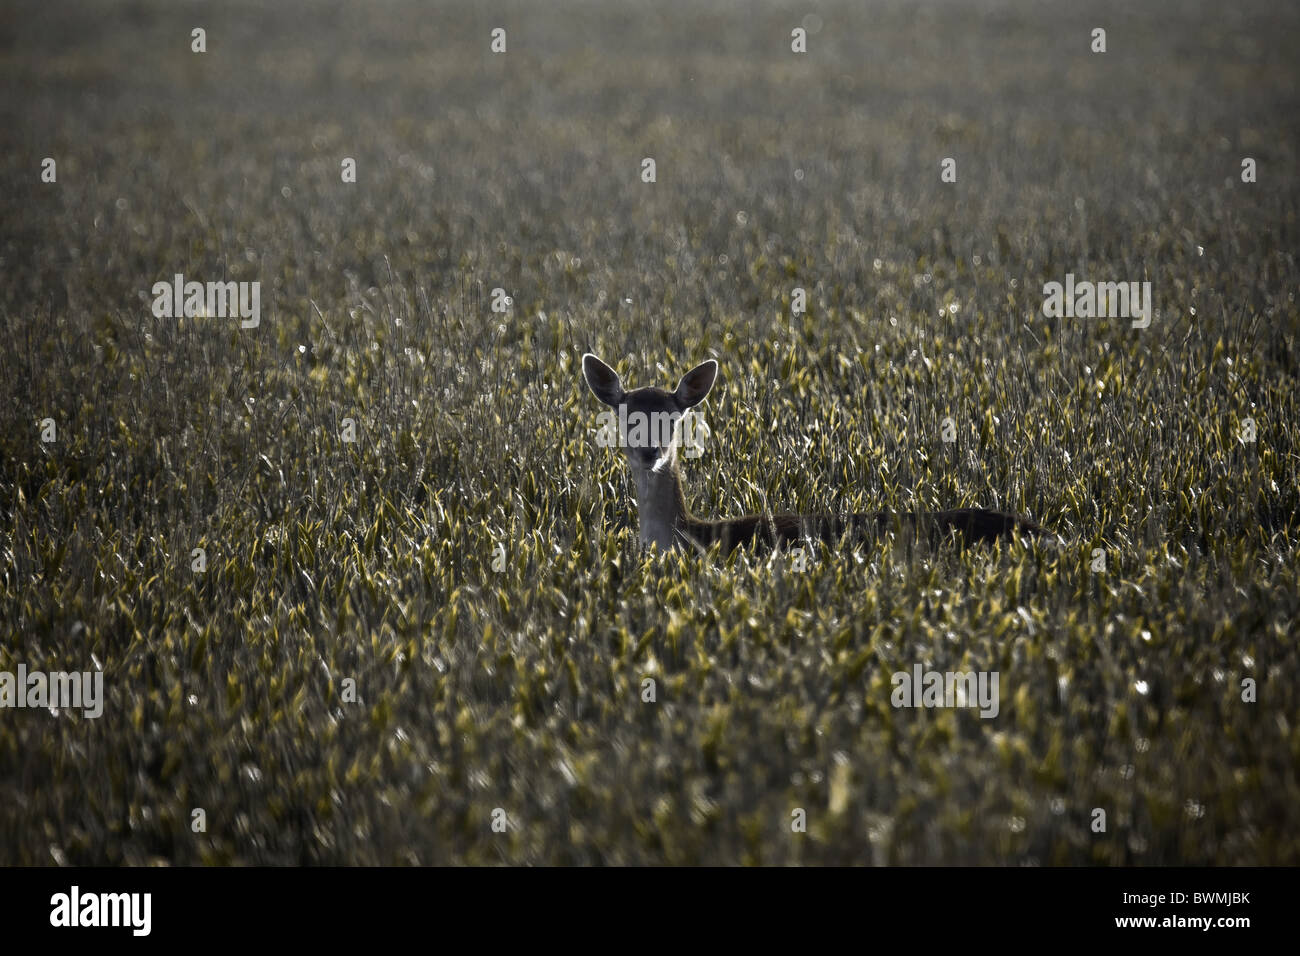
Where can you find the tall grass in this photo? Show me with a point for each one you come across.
(522, 688)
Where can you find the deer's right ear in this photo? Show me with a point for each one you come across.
(695, 384)
(602, 380)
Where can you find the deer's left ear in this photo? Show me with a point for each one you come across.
(602, 380)
(695, 384)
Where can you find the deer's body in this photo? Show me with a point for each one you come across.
(665, 519)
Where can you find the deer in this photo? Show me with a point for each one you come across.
(664, 520)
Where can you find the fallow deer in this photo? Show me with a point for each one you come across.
(665, 520)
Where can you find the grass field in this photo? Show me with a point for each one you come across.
(1121, 651)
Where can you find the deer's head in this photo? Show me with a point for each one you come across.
(648, 418)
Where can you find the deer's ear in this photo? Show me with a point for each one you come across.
(695, 384)
(602, 380)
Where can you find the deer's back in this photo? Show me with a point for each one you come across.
(971, 525)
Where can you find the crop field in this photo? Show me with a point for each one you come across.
(364, 587)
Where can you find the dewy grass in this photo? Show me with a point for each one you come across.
(365, 588)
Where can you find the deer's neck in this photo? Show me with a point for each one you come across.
(660, 505)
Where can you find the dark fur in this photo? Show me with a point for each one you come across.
(970, 525)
